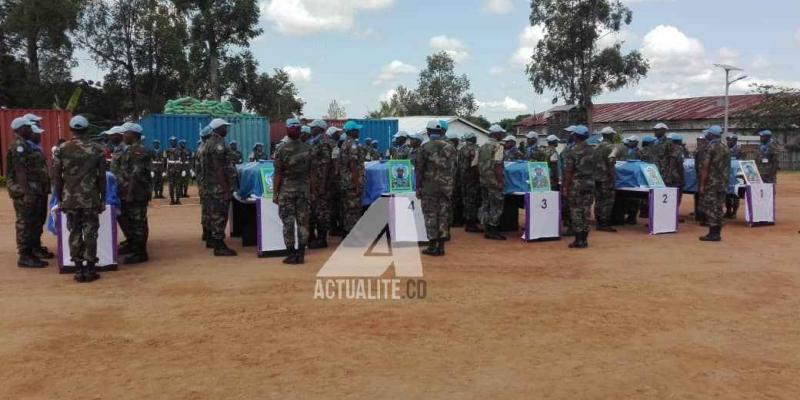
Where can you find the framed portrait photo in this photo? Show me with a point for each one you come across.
(539, 176)
(652, 176)
(750, 172)
(267, 188)
(400, 176)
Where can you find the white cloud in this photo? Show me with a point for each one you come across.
(727, 55)
(298, 74)
(498, 6)
(528, 39)
(387, 95)
(507, 104)
(761, 62)
(305, 17)
(453, 47)
(494, 71)
(391, 71)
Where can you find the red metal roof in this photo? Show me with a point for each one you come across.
(694, 108)
(534, 120)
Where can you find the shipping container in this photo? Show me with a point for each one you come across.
(245, 130)
(54, 122)
(376, 129)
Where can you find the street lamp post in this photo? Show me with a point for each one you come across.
(728, 83)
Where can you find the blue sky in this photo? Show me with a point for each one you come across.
(356, 51)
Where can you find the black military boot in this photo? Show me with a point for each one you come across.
(28, 260)
(580, 241)
(472, 226)
(41, 252)
(321, 242)
(440, 248)
(604, 226)
(79, 270)
(291, 255)
(90, 272)
(492, 233)
(300, 255)
(137, 256)
(713, 234)
(432, 248)
(222, 250)
(126, 247)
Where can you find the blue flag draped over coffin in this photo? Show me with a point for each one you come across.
(250, 178)
(112, 199)
(629, 175)
(516, 177)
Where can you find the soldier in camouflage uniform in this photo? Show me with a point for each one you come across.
(605, 180)
(415, 141)
(510, 150)
(457, 206)
(469, 182)
(435, 181)
(332, 190)
(491, 169)
(531, 146)
(699, 158)
(79, 174)
(237, 154)
(133, 172)
(579, 182)
(549, 154)
(174, 158)
(43, 176)
(566, 215)
(371, 152)
(159, 167)
(321, 167)
(205, 133)
(399, 149)
(627, 210)
(767, 160)
(258, 153)
(292, 182)
(732, 199)
(648, 155)
(351, 176)
(219, 182)
(186, 168)
(713, 182)
(25, 189)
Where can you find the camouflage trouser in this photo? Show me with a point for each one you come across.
(133, 222)
(456, 206)
(491, 206)
(351, 208)
(25, 224)
(293, 207)
(158, 182)
(41, 219)
(217, 208)
(471, 197)
(580, 206)
(732, 202)
(334, 201)
(711, 203)
(204, 216)
(185, 180)
(83, 225)
(174, 178)
(319, 217)
(604, 201)
(437, 212)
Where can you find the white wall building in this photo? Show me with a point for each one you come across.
(454, 124)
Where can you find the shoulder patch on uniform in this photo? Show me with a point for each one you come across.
(219, 147)
(20, 149)
(354, 146)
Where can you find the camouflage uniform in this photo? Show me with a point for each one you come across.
(580, 162)
(237, 157)
(175, 158)
(186, 172)
(25, 188)
(513, 154)
(42, 176)
(293, 164)
(322, 161)
(732, 200)
(372, 154)
(351, 186)
(258, 155)
(488, 156)
(699, 157)
(718, 158)
(647, 154)
(158, 167)
(767, 161)
(566, 215)
(132, 170)
(469, 182)
(605, 180)
(200, 190)
(399, 152)
(79, 170)
(219, 182)
(436, 168)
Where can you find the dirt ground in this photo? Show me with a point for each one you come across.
(633, 317)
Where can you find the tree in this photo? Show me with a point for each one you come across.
(779, 110)
(569, 59)
(336, 111)
(272, 96)
(510, 123)
(441, 92)
(479, 120)
(215, 27)
(403, 102)
(42, 28)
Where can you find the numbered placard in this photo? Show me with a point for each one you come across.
(760, 203)
(542, 215)
(406, 221)
(663, 210)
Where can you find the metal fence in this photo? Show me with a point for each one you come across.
(790, 161)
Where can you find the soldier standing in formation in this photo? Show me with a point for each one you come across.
(566, 218)
(332, 190)
(43, 176)
(79, 174)
(549, 154)
(237, 154)
(186, 168)
(699, 158)
(510, 150)
(26, 191)
(435, 175)
(470, 182)
(174, 160)
(489, 161)
(713, 182)
(158, 169)
(322, 160)
(767, 160)
(531, 148)
(292, 181)
(399, 149)
(370, 152)
(351, 176)
(414, 141)
(630, 207)
(132, 168)
(732, 199)
(605, 180)
(205, 133)
(579, 184)
(219, 181)
(258, 153)
(457, 205)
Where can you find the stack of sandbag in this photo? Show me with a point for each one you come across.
(191, 105)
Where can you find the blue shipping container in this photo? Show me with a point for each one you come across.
(378, 129)
(245, 130)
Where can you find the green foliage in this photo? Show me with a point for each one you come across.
(336, 110)
(479, 120)
(780, 109)
(509, 123)
(272, 96)
(568, 60)
(403, 102)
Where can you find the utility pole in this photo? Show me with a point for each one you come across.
(728, 83)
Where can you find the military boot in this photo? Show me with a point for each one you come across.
(79, 270)
(39, 253)
(321, 242)
(713, 234)
(291, 255)
(440, 248)
(28, 260)
(472, 226)
(126, 247)
(222, 250)
(90, 272)
(492, 233)
(580, 241)
(604, 226)
(432, 248)
(300, 257)
(137, 256)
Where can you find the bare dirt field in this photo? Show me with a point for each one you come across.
(633, 317)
